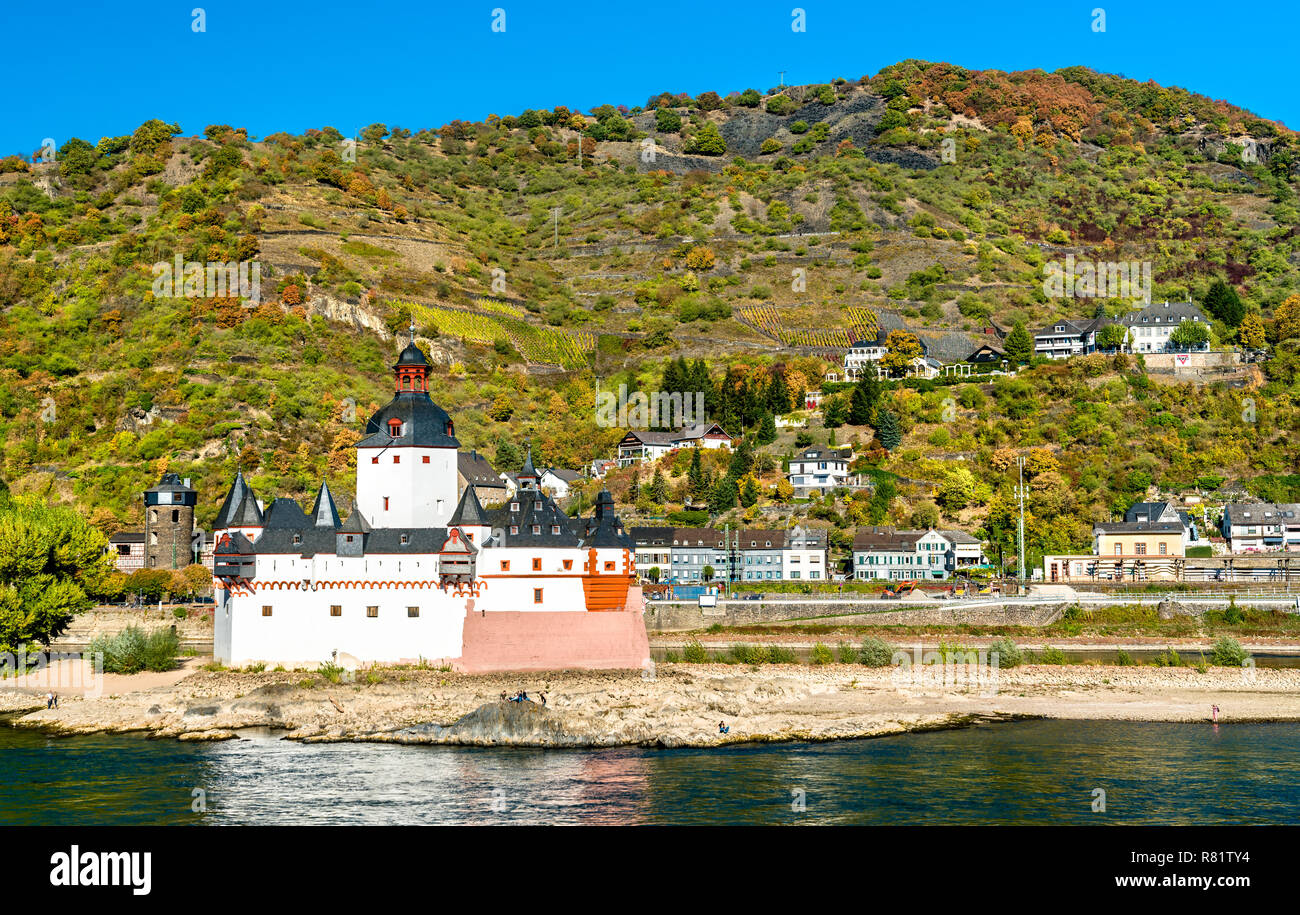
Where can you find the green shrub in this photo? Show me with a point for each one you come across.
(875, 652)
(331, 671)
(821, 654)
(694, 653)
(749, 654)
(1008, 652)
(1229, 653)
(779, 654)
(1168, 658)
(1124, 659)
(672, 657)
(1050, 655)
(132, 650)
(844, 651)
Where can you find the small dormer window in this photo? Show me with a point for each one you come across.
(514, 528)
(514, 506)
(555, 528)
(537, 528)
(406, 538)
(297, 539)
(395, 428)
(451, 429)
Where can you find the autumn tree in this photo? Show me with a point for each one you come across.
(902, 347)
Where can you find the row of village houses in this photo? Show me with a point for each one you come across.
(688, 555)
(1148, 331)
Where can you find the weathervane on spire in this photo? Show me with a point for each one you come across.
(412, 330)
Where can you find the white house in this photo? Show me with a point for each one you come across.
(1149, 329)
(1261, 527)
(642, 445)
(804, 555)
(820, 470)
(558, 482)
(419, 571)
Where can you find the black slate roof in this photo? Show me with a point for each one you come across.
(324, 513)
(603, 529)
(469, 513)
(533, 508)
(170, 482)
(286, 514)
(240, 508)
(424, 423)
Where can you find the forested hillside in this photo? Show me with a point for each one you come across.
(743, 238)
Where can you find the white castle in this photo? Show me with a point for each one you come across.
(420, 572)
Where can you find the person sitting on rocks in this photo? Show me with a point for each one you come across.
(543, 698)
(722, 728)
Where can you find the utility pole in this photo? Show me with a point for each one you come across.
(781, 84)
(1020, 493)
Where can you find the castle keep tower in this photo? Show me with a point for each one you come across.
(169, 523)
(406, 464)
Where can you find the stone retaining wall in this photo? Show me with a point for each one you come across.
(195, 630)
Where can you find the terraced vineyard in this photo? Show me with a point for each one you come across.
(859, 323)
(538, 345)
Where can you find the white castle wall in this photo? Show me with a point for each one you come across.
(300, 591)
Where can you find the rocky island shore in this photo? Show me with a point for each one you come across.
(679, 705)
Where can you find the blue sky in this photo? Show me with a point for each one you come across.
(94, 69)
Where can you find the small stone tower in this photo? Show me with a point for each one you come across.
(169, 523)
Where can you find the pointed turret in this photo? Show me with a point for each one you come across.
(324, 513)
(240, 508)
(528, 476)
(469, 513)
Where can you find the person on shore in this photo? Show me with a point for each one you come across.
(1214, 713)
(722, 728)
(56, 700)
(49, 700)
(542, 696)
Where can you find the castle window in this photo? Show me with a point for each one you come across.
(395, 427)
(297, 539)
(514, 506)
(153, 515)
(555, 528)
(505, 565)
(374, 460)
(568, 564)
(397, 459)
(372, 612)
(176, 516)
(537, 528)
(514, 528)
(385, 503)
(537, 565)
(537, 595)
(406, 382)
(425, 459)
(609, 566)
(406, 538)
(451, 428)
(412, 612)
(348, 538)
(266, 610)
(336, 609)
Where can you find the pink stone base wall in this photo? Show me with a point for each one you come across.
(538, 640)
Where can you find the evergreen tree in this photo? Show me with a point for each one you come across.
(696, 474)
(749, 492)
(672, 379)
(634, 488)
(767, 429)
(1019, 346)
(723, 496)
(742, 460)
(881, 499)
(658, 488)
(778, 395)
(1222, 302)
(835, 412)
(862, 405)
(887, 430)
